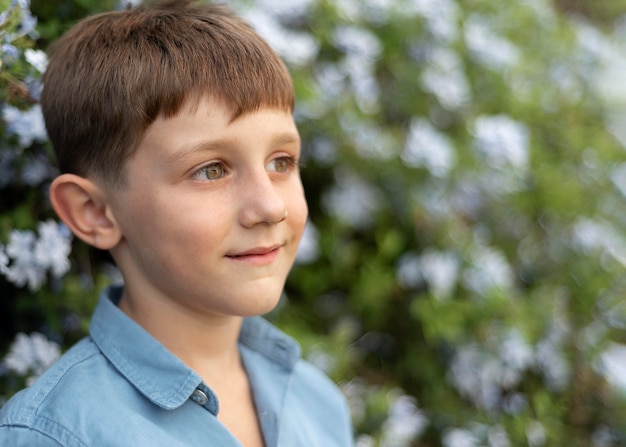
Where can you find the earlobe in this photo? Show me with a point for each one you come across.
(82, 206)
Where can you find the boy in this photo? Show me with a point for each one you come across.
(174, 134)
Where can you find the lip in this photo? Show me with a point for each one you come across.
(257, 255)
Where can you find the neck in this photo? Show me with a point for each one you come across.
(205, 343)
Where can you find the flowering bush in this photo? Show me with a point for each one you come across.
(460, 275)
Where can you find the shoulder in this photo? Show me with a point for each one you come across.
(317, 390)
(42, 413)
(328, 419)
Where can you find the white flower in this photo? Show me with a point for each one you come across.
(426, 146)
(296, 48)
(536, 434)
(490, 270)
(36, 58)
(440, 270)
(408, 271)
(4, 261)
(24, 270)
(36, 170)
(404, 423)
(515, 351)
(32, 257)
(498, 437)
(553, 364)
(364, 83)
(589, 235)
(291, 9)
(476, 374)
(502, 141)
(125, 4)
(459, 437)
(445, 78)
(53, 247)
(442, 16)
(487, 46)
(612, 365)
(352, 199)
(357, 41)
(34, 354)
(369, 140)
(27, 125)
(308, 251)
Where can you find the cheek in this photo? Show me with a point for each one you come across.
(299, 212)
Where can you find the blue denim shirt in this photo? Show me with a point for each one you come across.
(121, 387)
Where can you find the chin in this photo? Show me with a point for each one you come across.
(259, 305)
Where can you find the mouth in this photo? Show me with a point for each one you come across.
(257, 255)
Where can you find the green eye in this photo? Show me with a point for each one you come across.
(281, 164)
(214, 171)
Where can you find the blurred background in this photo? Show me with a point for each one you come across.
(462, 276)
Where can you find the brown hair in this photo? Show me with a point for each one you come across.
(113, 74)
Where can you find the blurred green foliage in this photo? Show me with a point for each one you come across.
(467, 208)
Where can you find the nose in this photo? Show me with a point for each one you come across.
(261, 201)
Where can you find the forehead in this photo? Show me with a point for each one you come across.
(208, 125)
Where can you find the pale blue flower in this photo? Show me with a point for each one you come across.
(353, 199)
(459, 437)
(598, 234)
(36, 58)
(490, 270)
(32, 257)
(489, 48)
(37, 169)
(536, 434)
(502, 141)
(476, 373)
(426, 146)
(126, 4)
(4, 261)
(32, 354)
(308, 250)
(53, 247)
(445, 78)
(408, 272)
(28, 125)
(9, 53)
(296, 48)
(285, 10)
(440, 270)
(405, 422)
(612, 365)
(442, 16)
(4, 15)
(364, 440)
(357, 41)
(21, 243)
(24, 269)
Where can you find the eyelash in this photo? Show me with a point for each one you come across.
(292, 162)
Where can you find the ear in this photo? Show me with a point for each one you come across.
(82, 205)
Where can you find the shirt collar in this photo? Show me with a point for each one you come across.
(157, 373)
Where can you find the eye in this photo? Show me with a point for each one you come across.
(281, 164)
(214, 171)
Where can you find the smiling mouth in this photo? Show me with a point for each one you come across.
(258, 255)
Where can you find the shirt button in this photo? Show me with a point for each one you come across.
(199, 397)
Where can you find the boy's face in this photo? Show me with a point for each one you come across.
(213, 211)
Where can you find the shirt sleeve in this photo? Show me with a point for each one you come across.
(17, 436)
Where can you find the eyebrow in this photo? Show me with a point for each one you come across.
(225, 143)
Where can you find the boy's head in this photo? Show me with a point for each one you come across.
(174, 130)
(113, 74)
